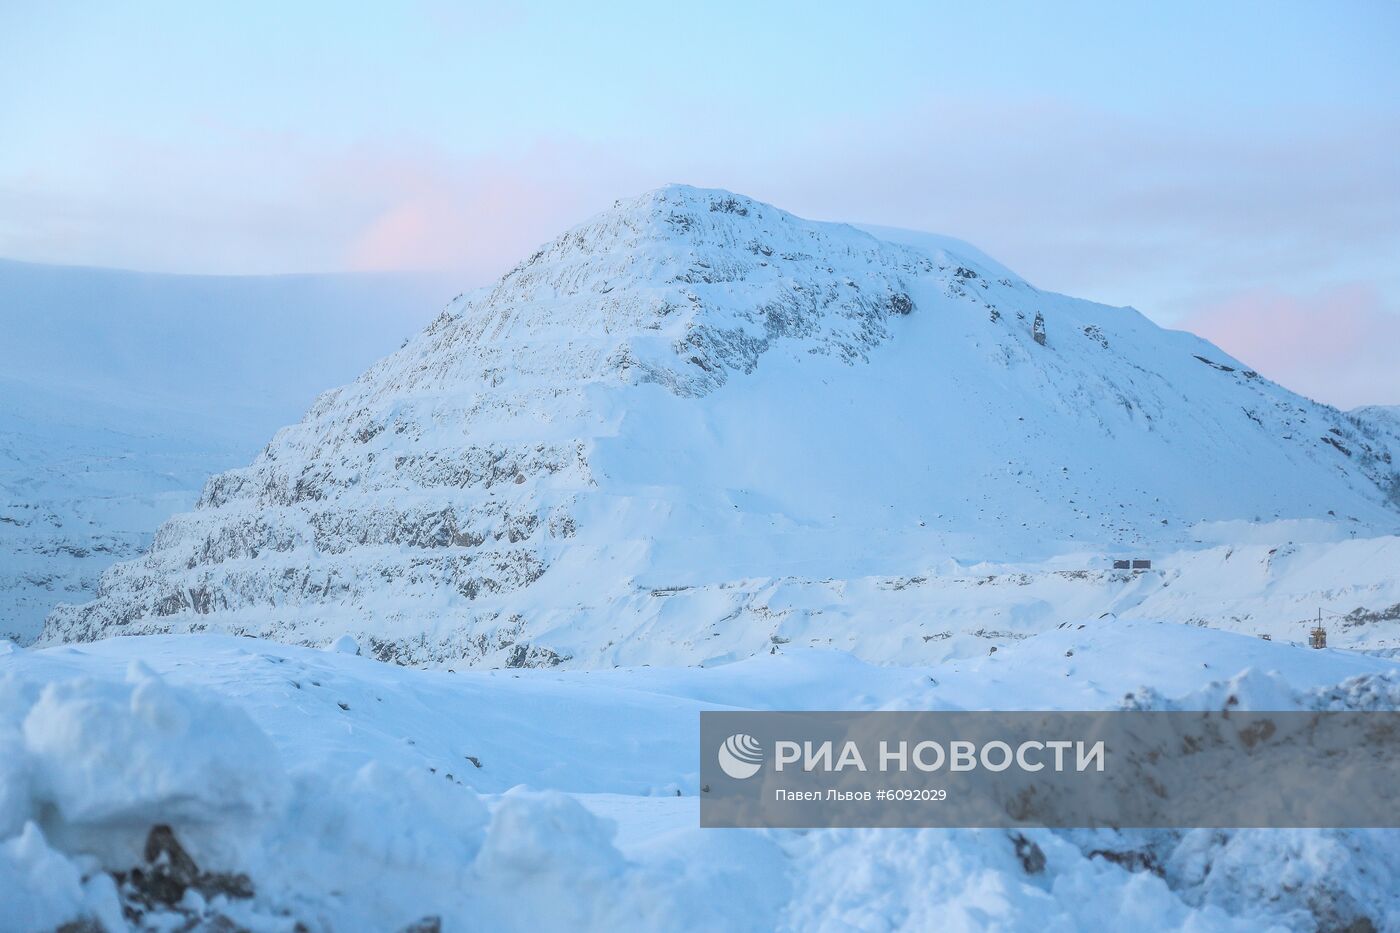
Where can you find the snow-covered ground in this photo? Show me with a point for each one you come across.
(349, 794)
(121, 392)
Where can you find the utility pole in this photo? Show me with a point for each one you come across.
(1317, 638)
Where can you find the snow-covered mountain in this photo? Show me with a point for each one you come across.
(1387, 415)
(121, 392)
(697, 428)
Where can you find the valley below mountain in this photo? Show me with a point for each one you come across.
(121, 392)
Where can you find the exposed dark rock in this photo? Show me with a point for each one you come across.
(1131, 859)
(1031, 855)
(81, 925)
(1337, 444)
(533, 656)
(1214, 365)
(169, 872)
(1361, 616)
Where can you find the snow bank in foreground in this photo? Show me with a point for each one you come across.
(90, 766)
(273, 785)
(172, 804)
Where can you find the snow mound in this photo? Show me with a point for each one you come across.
(88, 768)
(146, 751)
(44, 889)
(171, 805)
(86, 754)
(373, 796)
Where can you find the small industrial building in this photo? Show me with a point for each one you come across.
(1133, 564)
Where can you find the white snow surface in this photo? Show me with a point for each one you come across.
(361, 795)
(697, 426)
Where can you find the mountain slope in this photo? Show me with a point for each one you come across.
(122, 392)
(696, 392)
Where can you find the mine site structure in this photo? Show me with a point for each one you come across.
(1317, 635)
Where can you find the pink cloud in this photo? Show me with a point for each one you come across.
(474, 217)
(1338, 345)
(291, 204)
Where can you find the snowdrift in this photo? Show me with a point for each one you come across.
(227, 780)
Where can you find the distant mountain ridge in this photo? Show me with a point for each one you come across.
(1388, 415)
(121, 392)
(698, 393)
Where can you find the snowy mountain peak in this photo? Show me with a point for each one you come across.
(688, 285)
(691, 427)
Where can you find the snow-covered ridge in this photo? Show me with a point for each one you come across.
(695, 393)
(1386, 415)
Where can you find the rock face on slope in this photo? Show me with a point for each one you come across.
(698, 393)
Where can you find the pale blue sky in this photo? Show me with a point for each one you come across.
(1228, 166)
